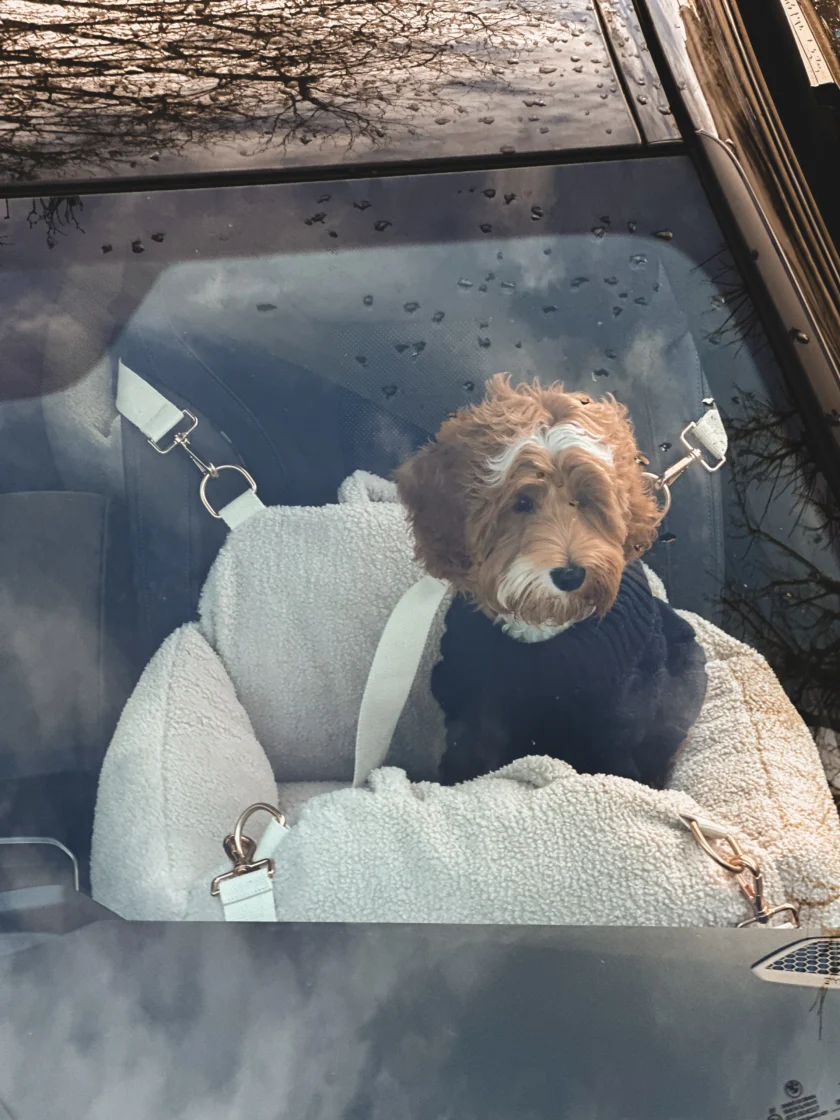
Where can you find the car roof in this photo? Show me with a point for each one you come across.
(126, 91)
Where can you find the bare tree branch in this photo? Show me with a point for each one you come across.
(115, 80)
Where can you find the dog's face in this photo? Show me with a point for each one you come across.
(531, 503)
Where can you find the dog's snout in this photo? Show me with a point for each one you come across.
(568, 579)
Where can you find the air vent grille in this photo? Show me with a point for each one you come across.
(814, 963)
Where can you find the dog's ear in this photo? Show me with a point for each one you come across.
(609, 420)
(643, 517)
(430, 485)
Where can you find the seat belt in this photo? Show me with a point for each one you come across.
(157, 418)
(392, 672)
(246, 893)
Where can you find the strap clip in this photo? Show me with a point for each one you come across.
(748, 874)
(711, 436)
(241, 849)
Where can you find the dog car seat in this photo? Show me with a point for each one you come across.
(257, 701)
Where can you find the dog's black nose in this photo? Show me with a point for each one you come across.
(568, 579)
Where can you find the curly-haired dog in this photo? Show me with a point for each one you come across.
(532, 505)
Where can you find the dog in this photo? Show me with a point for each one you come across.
(533, 506)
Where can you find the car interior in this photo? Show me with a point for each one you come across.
(315, 330)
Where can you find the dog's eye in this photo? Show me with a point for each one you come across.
(524, 504)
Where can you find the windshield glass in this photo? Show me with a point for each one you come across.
(323, 340)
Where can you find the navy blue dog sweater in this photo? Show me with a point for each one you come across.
(615, 695)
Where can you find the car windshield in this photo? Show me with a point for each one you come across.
(315, 338)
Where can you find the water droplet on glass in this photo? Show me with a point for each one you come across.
(663, 234)
(367, 301)
(483, 342)
(324, 198)
(632, 226)
(507, 149)
(640, 97)
(266, 307)
(637, 261)
(500, 256)
(401, 347)
(518, 345)
(547, 69)
(508, 285)
(598, 232)
(547, 252)
(600, 372)
(389, 391)
(612, 280)
(137, 247)
(533, 120)
(107, 248)
(714, 338)
(417, 348)
(442, 120)
(483, 325)
(438, 317)
(575, 57)
(718, 301)
(665, 446)
(362, 205)
(579, 281)
(361, 359)
(158, 237)
(509, 198)
(667, 538)
(410, 307)
(332, 233)
(381, 225)
(543, 130)
(708, 402)
(485, 227)
(549, 308)
(536, 213)
(490, 276)
(617, 311)
(535, 104)
(316, 219)
(641, 300)
(611, 354)
(469, 386)
(486, 120)
(489, 193)
(464, 283)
